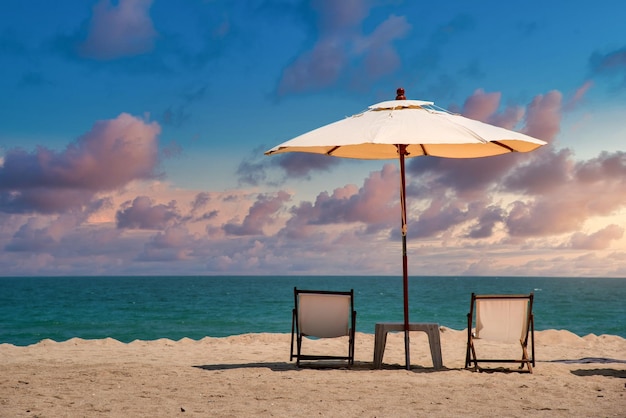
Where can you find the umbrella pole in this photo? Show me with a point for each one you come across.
(405, 268)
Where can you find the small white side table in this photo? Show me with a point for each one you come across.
(380, 339)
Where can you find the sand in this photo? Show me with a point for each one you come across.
(251, 375)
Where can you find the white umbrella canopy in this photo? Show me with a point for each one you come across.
(376, 133)
(402, 129)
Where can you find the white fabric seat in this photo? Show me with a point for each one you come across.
(504, 319)
(322, 314)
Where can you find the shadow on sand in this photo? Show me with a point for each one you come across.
(287, 366)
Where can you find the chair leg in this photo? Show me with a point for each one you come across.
(293, 322)
(470, 345)
(527, 361)
(299, 343)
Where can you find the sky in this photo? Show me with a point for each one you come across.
(132, 137)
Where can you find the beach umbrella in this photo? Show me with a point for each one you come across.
(402, 129)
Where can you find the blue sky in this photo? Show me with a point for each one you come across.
(132, 135)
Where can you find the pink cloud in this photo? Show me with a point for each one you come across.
(380, 56)
(262, 213)
(335, 16)
(109, 156)
(315, 69)
(543, 119)
(37, 235)
(481, 106)
(599, 240)
(376, 205)
(549, 170)
(119, 31)
(596, 187)
(485, 107)
(440, 215)
(340, 42)
(578, 96)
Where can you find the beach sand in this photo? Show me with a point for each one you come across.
(250, 375)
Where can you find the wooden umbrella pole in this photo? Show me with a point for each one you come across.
(405, 267)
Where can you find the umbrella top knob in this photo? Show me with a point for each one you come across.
(400, 94)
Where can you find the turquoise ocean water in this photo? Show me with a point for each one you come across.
(149, 308)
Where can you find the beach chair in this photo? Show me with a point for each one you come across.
(503, 319)
(322, 314)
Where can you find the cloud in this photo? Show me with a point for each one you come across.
(109, 156)
(31, 238)
(301, 165)
(142, 213)
(598, 240)
(485, 107)
(481, 105)
(610, 65)
(543, 200)
(335, 16)
(486, 223)
(379, 55)
(439, 216)
(261, 214)
(578, 96)
(315, 69)
(548, 171)
(342, 51)
(473, 178)
(173, 244)
(117, 31)
(252, 170)
(587, 189)
(543, 118)
(375, 205)
(294, 165)
(38, 235)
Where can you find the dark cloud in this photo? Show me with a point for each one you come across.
(142, 213)
(256, 170)
(30, 238)
(173, 244)
(300, 165)
(611, 64)
(262, 213)
(469, 178)
(376, 205)
(342, 52)
(549, 170)
(487, 221)
(252, 171)
(200, 201)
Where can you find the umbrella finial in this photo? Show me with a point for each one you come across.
(400, 94)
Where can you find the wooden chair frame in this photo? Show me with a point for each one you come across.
(297, 334)
(527, 360)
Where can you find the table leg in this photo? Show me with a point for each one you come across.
(380, 340)
(435, 347)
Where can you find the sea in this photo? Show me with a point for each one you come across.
(150, 308)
